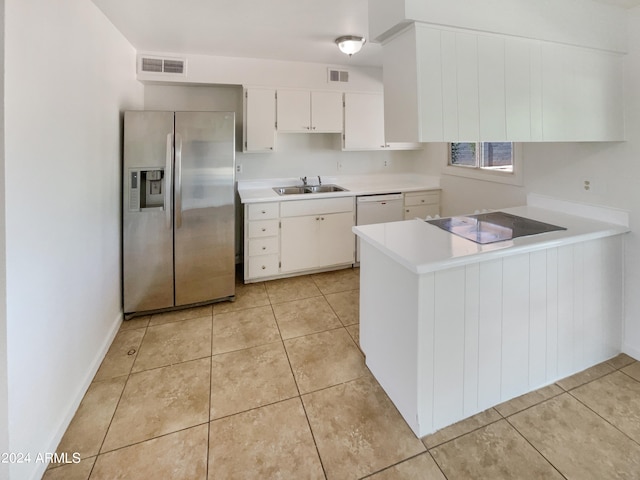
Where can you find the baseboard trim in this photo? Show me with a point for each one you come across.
(632, 352)
(80, 392)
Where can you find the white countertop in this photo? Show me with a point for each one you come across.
(256, 191)
(423, 248)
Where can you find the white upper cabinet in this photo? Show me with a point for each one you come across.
(581, 94)
(452, 85)
(364, 124)
(491, 88)
(522, 90)
(363, 121)
(259, 126)
(309, 111)
(326, 112)
(449, 93)
(468, 86)
(294, 111)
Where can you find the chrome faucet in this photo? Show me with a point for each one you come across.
(304, 181)
(319, 180)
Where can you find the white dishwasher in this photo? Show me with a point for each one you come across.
(388, 207)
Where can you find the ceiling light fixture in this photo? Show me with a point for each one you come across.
(350, 44)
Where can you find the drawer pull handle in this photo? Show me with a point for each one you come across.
(264, 229)
(263, 212)
(263, 267)
(264, 248)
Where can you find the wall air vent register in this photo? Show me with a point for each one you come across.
(341, 76)
(172, 66)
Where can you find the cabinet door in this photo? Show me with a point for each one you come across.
(449, 87)
(336, 241)
(491, 87)
(597, 77)
(363, 121)
(468, 92)
(294, 111)
(430, 77)
(259, 119)
(556, 91)
(518, 92)
(298, 243)
(316, 241)
(326, 112)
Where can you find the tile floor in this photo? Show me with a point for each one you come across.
(273, 386)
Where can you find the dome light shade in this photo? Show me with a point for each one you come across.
(350, 44)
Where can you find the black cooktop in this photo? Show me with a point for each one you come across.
(493, 227)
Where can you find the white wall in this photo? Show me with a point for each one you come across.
(69, 72)
(560, 169)
(206, 69)
(297, 154)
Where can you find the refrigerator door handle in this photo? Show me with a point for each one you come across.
(178, 198)
(168, 169)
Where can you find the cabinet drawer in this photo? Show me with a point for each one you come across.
(263, 266)
(421, 198)
(421, 211)
(263, 246)
(296, 208)
(265, 228)
(262, 211)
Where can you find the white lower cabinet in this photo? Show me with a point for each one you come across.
(316, 241)
(262, 240)
(283, 238)
(263, 266)
(316, 234)
(421, 204)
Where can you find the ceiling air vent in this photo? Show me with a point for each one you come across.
(338, 76)
(162, 65)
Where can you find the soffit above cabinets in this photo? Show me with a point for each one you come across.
(584, 23)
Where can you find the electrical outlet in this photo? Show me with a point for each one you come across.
(238, 168)
(597, 187)
(339, 165)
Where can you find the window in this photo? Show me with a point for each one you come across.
(492, 161)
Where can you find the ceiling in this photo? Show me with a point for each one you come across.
(298, 30)
(295, 30)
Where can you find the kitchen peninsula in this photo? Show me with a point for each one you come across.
(450, 327)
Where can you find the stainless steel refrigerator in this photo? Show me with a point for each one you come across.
(178, 209)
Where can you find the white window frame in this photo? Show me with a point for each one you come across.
(486, 174)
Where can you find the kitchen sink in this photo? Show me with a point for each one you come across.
(308, 189)
(324, 189)
(288, 190)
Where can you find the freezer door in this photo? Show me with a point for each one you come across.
(147, 224)
(204, 217)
